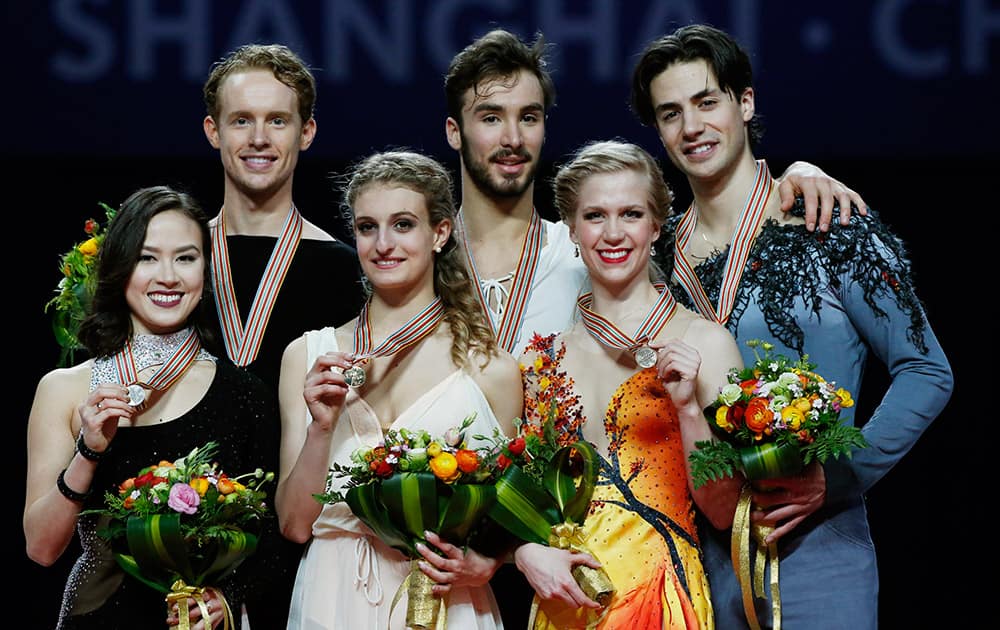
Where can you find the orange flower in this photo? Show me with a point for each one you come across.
(468, 461)
(758, 415)
(225, 485)
(748, 386)
(126, 486)
(445, 467)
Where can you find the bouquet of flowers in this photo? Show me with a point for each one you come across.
(543, 492)
(773, 418)
(411, 483)
(76, 288)
(178, 526)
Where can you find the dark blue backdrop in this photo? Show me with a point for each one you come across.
(875, 79)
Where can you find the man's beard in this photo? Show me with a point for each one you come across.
(508, 187)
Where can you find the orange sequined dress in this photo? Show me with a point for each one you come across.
(641, 522)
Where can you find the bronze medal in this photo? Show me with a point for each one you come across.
(645, 357)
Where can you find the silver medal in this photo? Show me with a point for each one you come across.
(645, 357)
(136, 395)
(355, 376)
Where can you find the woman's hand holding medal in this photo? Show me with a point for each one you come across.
(100, 413)
(326, 387)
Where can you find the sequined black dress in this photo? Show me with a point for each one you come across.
(240, 413)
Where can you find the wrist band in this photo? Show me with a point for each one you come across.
(87, 452)
(68, 492)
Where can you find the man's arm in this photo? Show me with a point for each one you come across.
(819, 191)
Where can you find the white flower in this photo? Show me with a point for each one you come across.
(730, 393)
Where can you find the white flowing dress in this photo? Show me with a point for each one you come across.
(347, 577)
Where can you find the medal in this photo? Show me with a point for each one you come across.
(136, 395)
(645, 357)
(180, 359)
(355, 376)
(413, 331)
(607, 333)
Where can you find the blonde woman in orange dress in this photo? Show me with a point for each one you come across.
(632, 377)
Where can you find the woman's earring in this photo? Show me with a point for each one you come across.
(437, 250)
(576, 250)
(652, 251)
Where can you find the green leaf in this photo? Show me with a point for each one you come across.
(574, 493)
(366, 504)
(463, 509)
(523, 507)
(712, 461)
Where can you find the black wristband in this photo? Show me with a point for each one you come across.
(87, 452)
(68, 492)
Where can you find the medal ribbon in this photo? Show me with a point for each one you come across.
(243, 344)
(512, 315)
(419, 326)
(739, 250)
(176, 364)
(605, 332)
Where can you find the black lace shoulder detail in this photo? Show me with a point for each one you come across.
(789, 263)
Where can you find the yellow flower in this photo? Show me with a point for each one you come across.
(845, 397)
(544, 382)
(802, 404)
(200, 485)
(722, 418)
(792, 416)
(88, 247)
(433, 449)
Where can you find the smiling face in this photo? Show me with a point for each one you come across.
(614, 227)
(167, 281)
(395, 238)
(259, 133)
(501, 134)
(702, 127)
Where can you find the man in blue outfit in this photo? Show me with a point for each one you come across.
(834, 296)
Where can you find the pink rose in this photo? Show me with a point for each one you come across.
(183, 498)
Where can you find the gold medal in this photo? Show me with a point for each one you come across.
(645, 357)
(355, 376)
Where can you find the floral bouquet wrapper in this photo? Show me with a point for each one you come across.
(181, 526)
(412, 483)
(551, 510)
(771, 419)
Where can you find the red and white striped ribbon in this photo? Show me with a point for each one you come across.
(739, 250)
(243, 344)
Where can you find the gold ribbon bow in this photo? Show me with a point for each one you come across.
(595, 583)
(765, 554)
(179, 594)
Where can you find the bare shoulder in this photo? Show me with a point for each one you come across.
(313, 232)
(501, 368)
(711, 339)
(67, 381)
